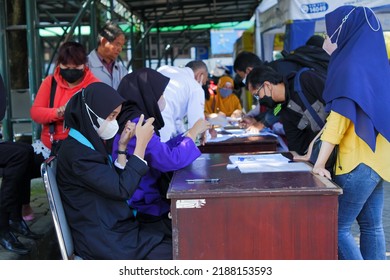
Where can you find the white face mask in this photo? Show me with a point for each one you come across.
(106, 129)
(244, 80)
(201, 80)
(330, 47)
(161, 103)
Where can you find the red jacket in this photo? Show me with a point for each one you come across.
(40, 111)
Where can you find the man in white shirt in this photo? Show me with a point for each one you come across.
(103, 60)
(184, 97)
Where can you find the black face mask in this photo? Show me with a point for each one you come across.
(268, 102)
(71, 75)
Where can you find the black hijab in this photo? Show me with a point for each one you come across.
(142, 89)
(102, 99)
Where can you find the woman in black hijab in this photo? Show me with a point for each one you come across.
(143, 91)
(93, 188)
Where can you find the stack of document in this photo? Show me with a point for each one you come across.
(227, 133)
(266, 163)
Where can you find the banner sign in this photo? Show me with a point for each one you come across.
(274, 13)
(313, 9)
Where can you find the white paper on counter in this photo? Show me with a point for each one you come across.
(267, 163)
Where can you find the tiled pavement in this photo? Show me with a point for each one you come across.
(47, 247)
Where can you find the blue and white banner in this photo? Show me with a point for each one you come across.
(312, 9)
(273, 12)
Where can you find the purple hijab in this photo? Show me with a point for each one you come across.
(358, 80)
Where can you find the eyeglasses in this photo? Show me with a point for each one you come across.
(257, 93)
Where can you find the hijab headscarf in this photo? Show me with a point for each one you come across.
(142, 89)
(103, 100)
(222, 82)
(358, 80)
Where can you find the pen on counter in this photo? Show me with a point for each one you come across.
(214, 180)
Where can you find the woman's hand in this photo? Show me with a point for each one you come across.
(237, 114)
(143, 132)
(61, 111)
(322, 171)
(221, 114)
(199, 127)
(127, 133)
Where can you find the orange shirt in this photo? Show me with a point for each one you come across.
(226, 105)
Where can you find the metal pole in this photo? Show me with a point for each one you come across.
(93, 26)
(158, 47)
(32, 50)
(258, 32)
(4, 71)
(78, 17)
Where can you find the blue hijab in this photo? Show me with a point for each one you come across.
(358, 80)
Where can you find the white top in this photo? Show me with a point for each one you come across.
(101, 72)
(184, 96)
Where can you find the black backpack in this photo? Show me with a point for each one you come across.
(306, 56)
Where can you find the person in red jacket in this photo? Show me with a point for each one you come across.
(71, 75)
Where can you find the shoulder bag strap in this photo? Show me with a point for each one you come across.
(298, 89)
(51, 104)
(83, 140)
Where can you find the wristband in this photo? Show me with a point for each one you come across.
(122, 152)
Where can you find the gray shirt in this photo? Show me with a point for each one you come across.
(101, 72)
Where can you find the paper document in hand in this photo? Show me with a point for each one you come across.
(267, 163)
(219, 121)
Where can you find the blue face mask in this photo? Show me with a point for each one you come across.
(225, 92)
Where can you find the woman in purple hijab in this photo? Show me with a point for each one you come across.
(357, 94)
(143, 91)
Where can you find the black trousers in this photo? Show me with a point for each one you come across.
(158, 225)
(16, 159)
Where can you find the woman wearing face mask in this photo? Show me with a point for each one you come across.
(93, 188)
(143, 91)
(357, 95)
(225, 102)
(70, 75)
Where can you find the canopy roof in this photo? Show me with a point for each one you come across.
(163, 13)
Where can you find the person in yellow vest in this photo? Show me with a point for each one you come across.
(224, 102)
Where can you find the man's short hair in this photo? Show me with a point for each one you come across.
(197, 65)
(246, 59)
(260, 74)
(110, 32)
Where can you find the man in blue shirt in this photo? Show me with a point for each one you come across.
(103, 61)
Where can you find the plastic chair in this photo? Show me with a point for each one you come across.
(64, 235)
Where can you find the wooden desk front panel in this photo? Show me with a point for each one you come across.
(285, 227)
(281, 215)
